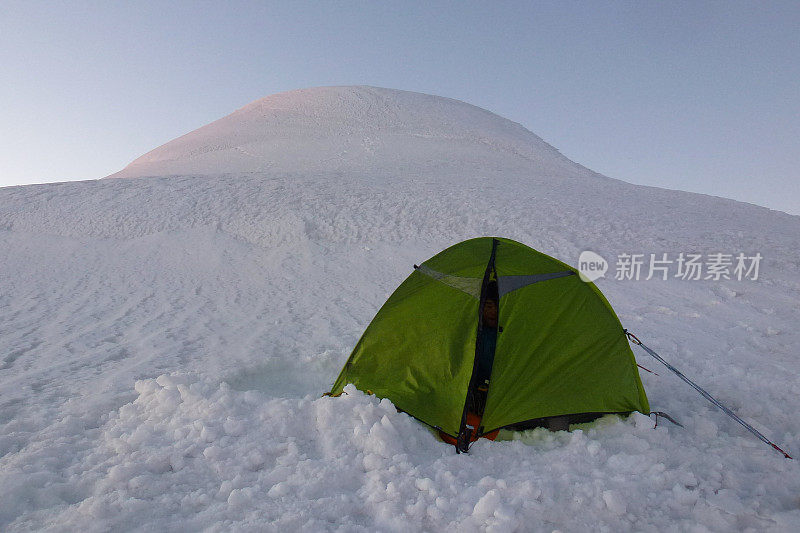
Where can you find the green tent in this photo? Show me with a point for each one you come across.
(560, 348)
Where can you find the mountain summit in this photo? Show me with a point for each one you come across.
(355, 129)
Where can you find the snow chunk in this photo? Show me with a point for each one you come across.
(487, 505)
(614, 502)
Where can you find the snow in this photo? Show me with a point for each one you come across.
(346, 129)
(164, 342)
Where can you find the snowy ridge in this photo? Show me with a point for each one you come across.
(352, 129)
(165, 342)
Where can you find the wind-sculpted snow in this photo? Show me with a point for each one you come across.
(164, 344)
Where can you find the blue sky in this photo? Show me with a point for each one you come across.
(698, 96)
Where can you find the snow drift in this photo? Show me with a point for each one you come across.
(165, 341)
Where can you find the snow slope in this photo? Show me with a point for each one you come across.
(346, 129)
(164, 343)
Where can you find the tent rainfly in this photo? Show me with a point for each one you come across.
(559, 349)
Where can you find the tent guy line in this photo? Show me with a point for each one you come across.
(635, 340)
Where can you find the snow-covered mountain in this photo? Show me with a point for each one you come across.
(347, 129)
(164, 341)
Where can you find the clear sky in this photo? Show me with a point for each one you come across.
(698, 96)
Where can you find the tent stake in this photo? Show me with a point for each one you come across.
(634, 339)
